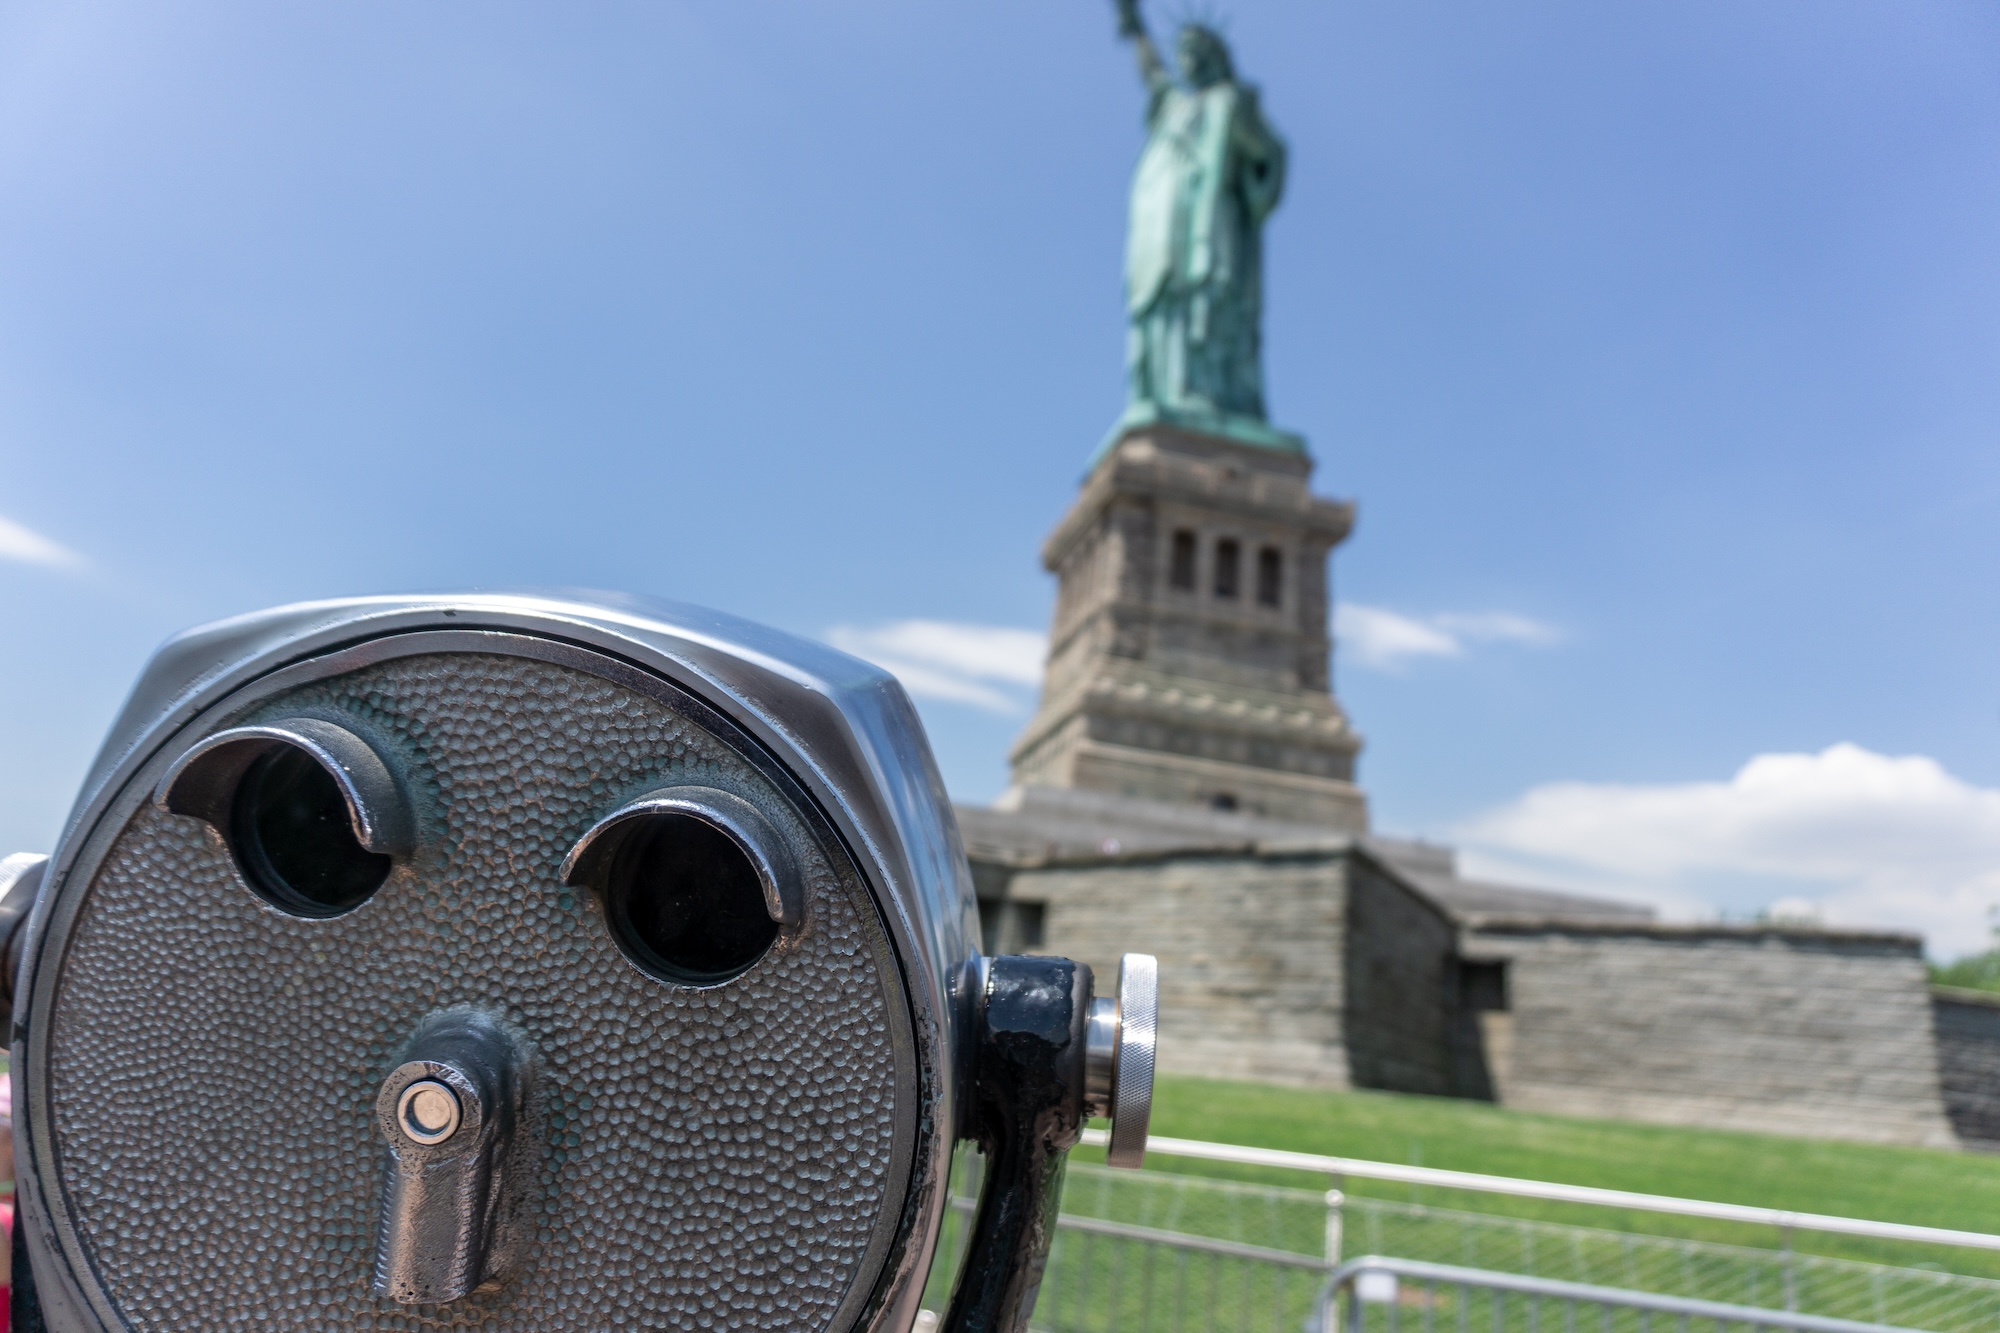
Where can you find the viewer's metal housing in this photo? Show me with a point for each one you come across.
(845, 730)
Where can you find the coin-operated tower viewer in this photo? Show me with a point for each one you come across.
(540, 964)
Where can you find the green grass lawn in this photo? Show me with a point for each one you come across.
(1926, 1186)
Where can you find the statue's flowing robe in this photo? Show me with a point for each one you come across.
(1211, 172)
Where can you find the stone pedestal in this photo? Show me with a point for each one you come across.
(1188, 661)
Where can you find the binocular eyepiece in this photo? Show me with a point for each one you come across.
(536, 963)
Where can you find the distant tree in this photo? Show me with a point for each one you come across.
(1979, 971)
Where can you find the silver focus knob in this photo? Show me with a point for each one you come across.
(428, 1112)
(1118, 1058)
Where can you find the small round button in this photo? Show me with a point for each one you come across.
(428, 1112)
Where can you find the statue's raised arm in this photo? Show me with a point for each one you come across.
(1133, 29)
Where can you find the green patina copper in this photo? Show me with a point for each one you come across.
(1212, 171)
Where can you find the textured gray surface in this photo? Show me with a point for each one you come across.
(1789, 1031)
(1400, 982)
(708, 1159)
(1432, 869)
(1315, 965)
(1182, 694)
(1038, 825)
(1332, 968)
(1967, 1024)
(1250, 949)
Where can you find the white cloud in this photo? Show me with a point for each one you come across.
(1855, 837)
(1495, 627)
(990, 666)
(1379, 638)
(1388, 640)
(987, 666)
(32, 548)
(1796, 911)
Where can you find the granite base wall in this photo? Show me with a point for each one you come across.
(1325, 968)
(1790, 1032)
(1967, 1028)
(1318, 969)
(1249, 948)
(1400, 974)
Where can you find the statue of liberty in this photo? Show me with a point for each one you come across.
(1211, 173)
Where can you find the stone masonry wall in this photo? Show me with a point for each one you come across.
(1401, 974)
(1785, 1031)
(1967, 1024)
(1249, 946)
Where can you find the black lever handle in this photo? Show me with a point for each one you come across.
(1026, 1112)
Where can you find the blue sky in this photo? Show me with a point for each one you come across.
(1657, 344)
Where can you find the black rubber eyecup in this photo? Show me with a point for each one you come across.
(685, 903)
(294, 839)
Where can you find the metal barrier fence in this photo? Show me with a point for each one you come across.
(1340, 1168)
(1108, 1276)
(1315, 1222)
(1738, 1274)
(1377, 1292)
(1169, 1252)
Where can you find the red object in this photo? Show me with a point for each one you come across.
(7, 1288)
